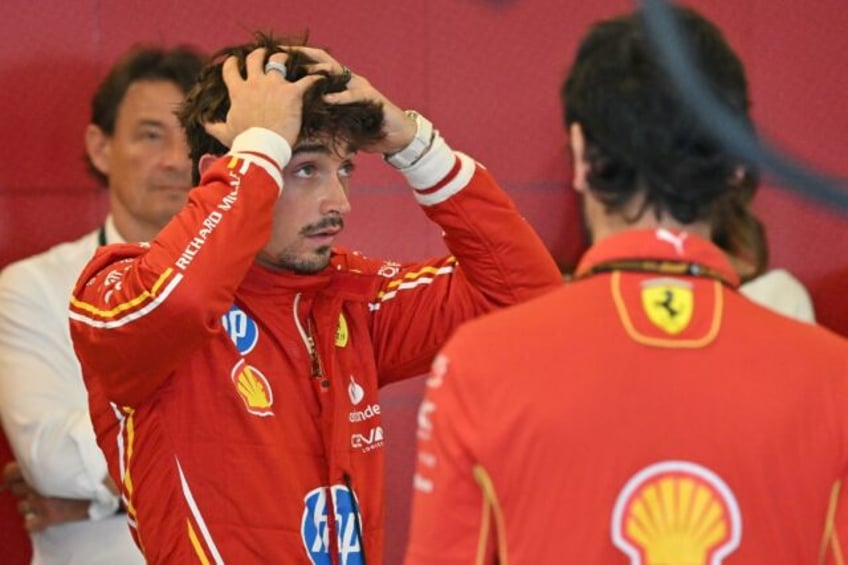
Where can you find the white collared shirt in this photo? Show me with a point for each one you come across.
(44, 405)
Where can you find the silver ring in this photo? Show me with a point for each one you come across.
(346, 75)
(275, 66)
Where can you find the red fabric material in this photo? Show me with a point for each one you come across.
(15, 548)
(742, 404)
(278, 437)
(498, 104)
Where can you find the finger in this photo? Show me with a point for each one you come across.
(24, 507)
(218, 130)
(324, 68)
(303, 84)
(20, 489)
(313, 52)
(278, 59)
(12, 472)
(347, 96)
(253, 63)
(33, 522)
(230, 72)
(340, 98)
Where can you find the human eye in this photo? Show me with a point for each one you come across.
(307, 170)
(346, 169)
(151, 134)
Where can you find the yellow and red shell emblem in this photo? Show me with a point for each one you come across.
(253, 388)
(676, 513)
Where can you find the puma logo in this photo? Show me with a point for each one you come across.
(675, 240)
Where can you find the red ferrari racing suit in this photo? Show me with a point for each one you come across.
(645, 414)
(237, 405)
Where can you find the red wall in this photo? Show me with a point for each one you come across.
(485, 71)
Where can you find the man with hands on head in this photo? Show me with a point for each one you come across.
(233, 363)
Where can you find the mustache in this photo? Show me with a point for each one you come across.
(333, 221)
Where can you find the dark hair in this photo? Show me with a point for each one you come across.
(356, 124)
(738, 231)
(640, 137)
(180, 66)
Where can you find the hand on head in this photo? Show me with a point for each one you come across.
(265, 98)
(261, 99)
(399, 129)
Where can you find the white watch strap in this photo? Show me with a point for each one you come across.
(419, 145)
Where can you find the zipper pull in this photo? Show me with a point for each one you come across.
(317, 372)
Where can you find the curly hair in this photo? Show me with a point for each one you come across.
(640, 137)
(180, 66)
(356, 124)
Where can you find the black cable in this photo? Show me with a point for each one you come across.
(356, 516)
(674, 55)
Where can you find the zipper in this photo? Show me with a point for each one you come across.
(308, 336)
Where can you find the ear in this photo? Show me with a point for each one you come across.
(98, 148)
(578, 154)
(205, 162)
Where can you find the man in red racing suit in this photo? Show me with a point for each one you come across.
(236, 401)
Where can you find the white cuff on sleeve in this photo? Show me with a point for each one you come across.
(450, 186)
(103, 506)
(267, 143)
(432, 167)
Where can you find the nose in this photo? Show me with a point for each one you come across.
(175, 154)
(336, 197)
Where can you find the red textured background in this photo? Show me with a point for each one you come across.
(486, 72)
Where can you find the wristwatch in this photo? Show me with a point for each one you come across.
(419, 145)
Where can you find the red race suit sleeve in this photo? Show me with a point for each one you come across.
(496, 260)
(138, 310)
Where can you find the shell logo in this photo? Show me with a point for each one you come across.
(676, 513)
(253, 388)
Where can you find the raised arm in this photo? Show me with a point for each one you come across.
(139, 310)
(497, 258)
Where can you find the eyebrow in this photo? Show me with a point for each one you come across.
(153, 123)
(311, 148)
(318, 148)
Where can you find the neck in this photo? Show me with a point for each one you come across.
(605, 224)
(131, 230)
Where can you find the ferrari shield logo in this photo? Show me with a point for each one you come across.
(668, 303)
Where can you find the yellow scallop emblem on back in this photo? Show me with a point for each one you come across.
(676, 513)
(342, 334)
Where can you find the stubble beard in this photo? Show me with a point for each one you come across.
(309, 263)
(316, 263)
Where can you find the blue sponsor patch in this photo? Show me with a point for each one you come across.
(241, 329)
(316, 534)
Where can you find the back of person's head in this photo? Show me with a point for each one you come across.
(180, 65)
(355, 124)
(641, 139)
